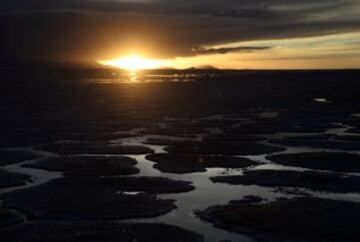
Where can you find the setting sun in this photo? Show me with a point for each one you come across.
(133, 63)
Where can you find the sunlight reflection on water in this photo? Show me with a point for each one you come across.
(141, 78)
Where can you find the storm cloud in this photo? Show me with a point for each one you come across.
(86, 30)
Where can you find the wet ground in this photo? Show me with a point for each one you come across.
(141, 156)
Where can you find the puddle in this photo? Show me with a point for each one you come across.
(321, 100)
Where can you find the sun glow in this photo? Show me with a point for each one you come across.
(133, 63)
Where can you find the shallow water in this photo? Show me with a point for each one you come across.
(134, 78)
(38, 176)
(206, 193)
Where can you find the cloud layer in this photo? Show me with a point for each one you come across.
(86, 30)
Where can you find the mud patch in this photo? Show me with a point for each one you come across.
(223, 148)
(10, 217)
(182, 163)
(95, 148)
(96, 198)
(95, 232)
(8, 157)
(343, 162)
(340, 143)
(88, 165)
(12, 179)
(307, 179)
(312, 219)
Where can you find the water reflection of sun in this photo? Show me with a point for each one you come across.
(133, 63)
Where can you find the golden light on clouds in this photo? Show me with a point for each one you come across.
(322, 52)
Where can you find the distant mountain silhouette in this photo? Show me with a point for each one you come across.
(207, 67)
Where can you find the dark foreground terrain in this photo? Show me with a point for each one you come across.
(98, 155)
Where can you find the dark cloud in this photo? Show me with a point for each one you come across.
(83, 30)
(224, 50)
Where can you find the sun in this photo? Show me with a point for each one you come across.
(133, 63)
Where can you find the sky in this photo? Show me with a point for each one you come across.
(230, 34)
